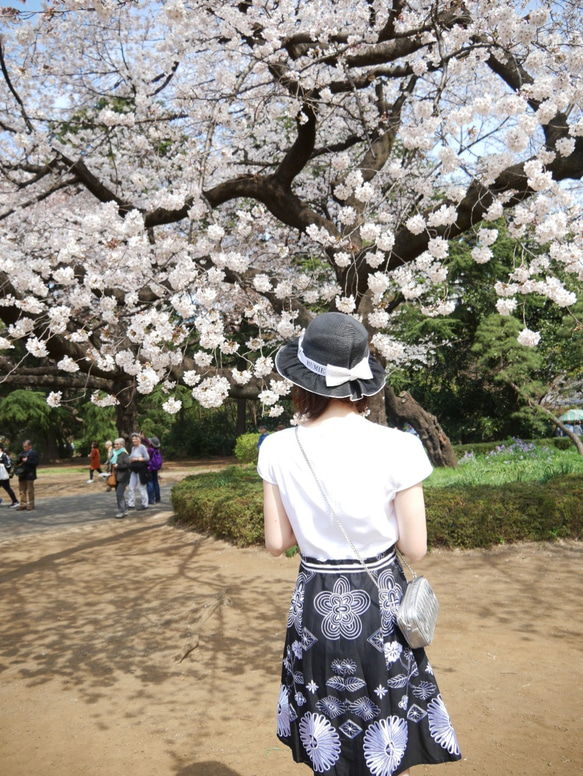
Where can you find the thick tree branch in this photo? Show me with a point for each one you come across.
(301, 151)
(96, 187)
(364, 80)
(549, 415)
(13, 91)
(280, 201)
(388, 32)
(513, 74)
(478, 199)
(48, 377)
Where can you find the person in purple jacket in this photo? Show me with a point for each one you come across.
(154, 466)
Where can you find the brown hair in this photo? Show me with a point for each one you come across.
(311, 405)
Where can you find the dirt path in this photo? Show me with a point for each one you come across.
(134, 648)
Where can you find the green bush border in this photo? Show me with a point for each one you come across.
(229, 505)
(485, 515)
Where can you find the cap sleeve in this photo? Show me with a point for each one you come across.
(412, 465)
(265, 462)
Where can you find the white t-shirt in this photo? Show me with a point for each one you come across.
(361, 467)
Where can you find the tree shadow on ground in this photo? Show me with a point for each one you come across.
(207, 769)
(151, 604)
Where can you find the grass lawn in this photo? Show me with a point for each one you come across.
(515, 461)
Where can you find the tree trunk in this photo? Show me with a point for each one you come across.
(436, 442)
(404, 408)
(50, 449)
(126, 412)
(539, 407)
(573, 437)
(241, 416)
(378, 412)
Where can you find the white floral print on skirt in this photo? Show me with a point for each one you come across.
(355, 699)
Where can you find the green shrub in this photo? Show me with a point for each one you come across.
(246, 448)
(561, 443)
(486, 515)
(229, 504)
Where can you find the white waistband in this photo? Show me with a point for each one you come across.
(349, 566)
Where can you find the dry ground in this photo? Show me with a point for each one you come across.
(132, 648)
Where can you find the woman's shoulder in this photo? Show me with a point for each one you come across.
(278, 439)
(277, 445)
(386, 433)
(392, 439)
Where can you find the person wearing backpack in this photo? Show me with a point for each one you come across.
(154, 466)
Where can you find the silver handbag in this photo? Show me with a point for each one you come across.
(418, 610)
(417, 613)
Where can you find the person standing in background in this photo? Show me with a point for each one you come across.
(108, 457)
(120, 464)
(263, 434)
(154, 466)
(26, 463)
(139, 460)
(94, 461)
(5, 482)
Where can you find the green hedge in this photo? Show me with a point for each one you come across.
(485, 515)
(229, 505)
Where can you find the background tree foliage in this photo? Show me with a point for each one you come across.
(474, 357)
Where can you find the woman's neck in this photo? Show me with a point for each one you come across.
(335, 410)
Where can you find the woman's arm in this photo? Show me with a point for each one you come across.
(410, 509)
(279, 535)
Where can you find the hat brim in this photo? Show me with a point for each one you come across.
(289, 366)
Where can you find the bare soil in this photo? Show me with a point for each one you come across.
(131, 647)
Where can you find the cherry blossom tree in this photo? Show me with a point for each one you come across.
(183, 184)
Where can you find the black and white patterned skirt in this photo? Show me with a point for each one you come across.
(355, 699)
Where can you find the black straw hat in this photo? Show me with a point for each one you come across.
(332, 359)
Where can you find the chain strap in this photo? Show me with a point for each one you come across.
(357, 555)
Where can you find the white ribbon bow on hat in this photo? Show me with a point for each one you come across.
(337, 375)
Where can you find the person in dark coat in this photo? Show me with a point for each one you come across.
(120, 464)
(26, 463)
